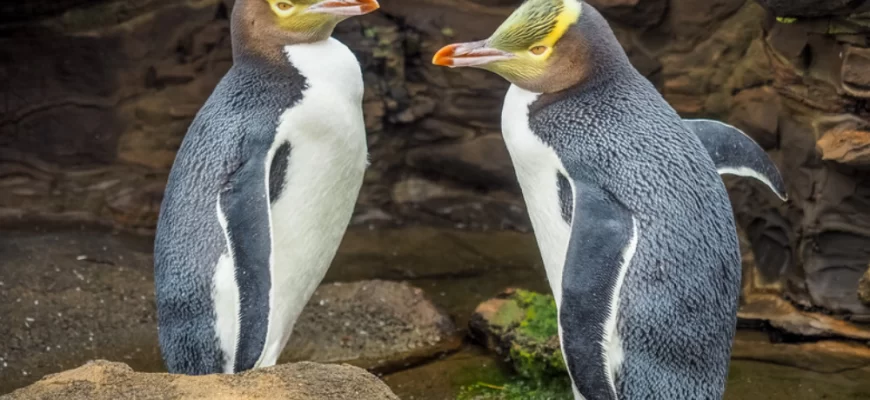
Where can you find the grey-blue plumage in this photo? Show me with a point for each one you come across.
(629, 211)
(735, 153)
(678, 301)
(650, 219)
(222, 156)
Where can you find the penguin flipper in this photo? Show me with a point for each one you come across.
(735, 153)
(604, 236)
(245, 208)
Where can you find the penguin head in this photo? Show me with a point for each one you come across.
(544, 46)
(285, 22)
(317, 17)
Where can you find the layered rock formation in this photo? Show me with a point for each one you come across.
(99, 94)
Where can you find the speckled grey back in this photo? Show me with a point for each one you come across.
(679, 298)
(234, 128)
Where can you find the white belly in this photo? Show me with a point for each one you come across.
(325, 171)
(536, 165)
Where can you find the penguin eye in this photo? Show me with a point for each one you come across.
(284, 6)
(538, 50)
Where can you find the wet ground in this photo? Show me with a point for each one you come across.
(71, 294)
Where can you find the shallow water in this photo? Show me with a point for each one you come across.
(457, 269)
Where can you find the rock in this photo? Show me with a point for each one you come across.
(756, 112)
(812, 249)
(104, 380)
(813, 8)
(378, 325)
(781, 314)
(418, 190)
(482, 161)
(850, 147)
(459, 206)
(864, 288)
(691, 19)
(522, 326)
(115, 55)
(639, 13)
(825, 356)
(856, 63)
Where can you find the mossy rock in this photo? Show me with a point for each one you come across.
(523, 326)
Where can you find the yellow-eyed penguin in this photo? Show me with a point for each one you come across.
(262, 189)
(633, 222)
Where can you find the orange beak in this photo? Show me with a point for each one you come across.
(345, 8)
(472, 54)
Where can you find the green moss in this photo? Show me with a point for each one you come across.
(557, 361)
(519, 390)
(528, 321)
(541, 322)
(509, 314)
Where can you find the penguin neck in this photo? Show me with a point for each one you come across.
(600, 59)
(255, 35)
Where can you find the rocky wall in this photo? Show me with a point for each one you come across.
(97, 96)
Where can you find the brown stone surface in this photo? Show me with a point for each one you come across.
(782, 315)
(846, 147)
(814, 249)
(483, 161)
(826, 356)
(104, 380)
(864, 288)
(814, 8)
(377, 325)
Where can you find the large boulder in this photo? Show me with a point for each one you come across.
(104, 380)
(377, 325)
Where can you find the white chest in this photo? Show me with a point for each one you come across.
(537, 166)
(327, 161)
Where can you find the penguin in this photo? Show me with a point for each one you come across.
(627, 205)
(262, 188)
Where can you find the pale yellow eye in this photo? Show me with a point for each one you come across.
(538, 50)
(283, 6)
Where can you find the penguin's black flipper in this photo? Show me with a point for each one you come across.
(735, 153)
(603, 241)
(245, 207)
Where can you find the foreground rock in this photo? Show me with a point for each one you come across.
(104, 380)
(377, 325)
